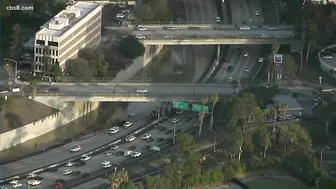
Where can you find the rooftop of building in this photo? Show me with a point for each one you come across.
(291, 103)
(67, 18)
(331, 50)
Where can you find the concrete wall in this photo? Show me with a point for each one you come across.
(70, 112)
(138, 63)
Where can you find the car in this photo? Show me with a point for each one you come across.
(85, 158)
(54, 89)
(58, 185)
(160, 139)
(3, 187)
(139, 36)
(187, 119)
(59, 181)
(194, 28)
(107, 166)
(34, 182)
(31, 175)
(106, 162)
(80, 163)
(69, 164)
(108, 153)
(170, 29)
(67, 172)
(17, 185)
(128, 153)
(230, 78)
(245, 28)
(263, 36)
(168, 131)
(146, 136)
(257, 13)
(142, 91)
(230, 68)
(86, 175)
(136, 154)
(54, 169)
(327, 57)
(179, 112)
(76, 173)
(162, 128)
(146, 147)
(260, 60)
(130, 138)
(168, 37)
(294, 94)
(127, 124)
(142, 29)
(158, 125)
(272, 27)
(175, 120)
(44, 91)
(245, 54)
(120, 153)
(279, 36)
(114, 147)
(126, 11)
(76, 148)
(13, 181)
(121, 16)
(114, 131)
(151, 139)
(247, 70)
(131, 147)
(169, 140)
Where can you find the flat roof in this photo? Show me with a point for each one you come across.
(84, 7)
(287, 99)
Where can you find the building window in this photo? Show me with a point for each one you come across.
(40, 51)
(40, 59)
(56, 52)
(51, 43)
(36, 58)
(40, 42)
(53, 52)
(36, 50)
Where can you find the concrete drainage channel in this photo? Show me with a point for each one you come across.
(77, 158)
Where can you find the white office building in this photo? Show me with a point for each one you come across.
(74, 28)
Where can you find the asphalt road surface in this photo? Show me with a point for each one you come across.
(62, 153)
(95, 163)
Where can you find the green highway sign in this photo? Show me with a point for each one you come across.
(180, 105)
(198, 107)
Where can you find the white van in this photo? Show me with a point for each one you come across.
(16, 90)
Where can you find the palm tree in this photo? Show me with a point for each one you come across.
(265, 141)
(201, 115)
(117, 178)
(33, 87)
(214, 99)
(282, 109)
(271, 66)
(274, 113)
(205, 99)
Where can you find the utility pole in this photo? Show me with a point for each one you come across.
(214, 144)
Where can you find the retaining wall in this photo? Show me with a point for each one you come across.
(71, 112)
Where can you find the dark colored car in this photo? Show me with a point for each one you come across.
(120, 153)
(52, 169)
(194, 28)
(38, 178)
(132, 147)
(80, 163)
(159, 139)
(146, 147)
(59, 181)
(158, 125)
(162, 128)
(86, 175)
(76, 173)
(151, 139)
(54, 89)
(187, 119)
(168, 131)
(294, 94)
(230, 68)
(170, 140)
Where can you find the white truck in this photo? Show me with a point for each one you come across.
(16, 90)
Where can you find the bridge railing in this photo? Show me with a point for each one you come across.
(209, 37)
(102, 79)
(117, 94)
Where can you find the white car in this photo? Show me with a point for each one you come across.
(16, 185)
(170, 29)
(115, 127)
(4, 92)
(31, 175)
(114, 147)
(86, 158)
(257, 13)
(260, 60)
(130, 138)
(136, 154)
(245, 54)
(146, 136)
(139, 36)
(279, 36)
(106, 162)
(114, 131)
(263, 36)
(3, 188)
(13, 181)
(247, 70)
(127, 124)
(108, 153)
(168, 37)
(67, 172)
(175, 120)
(230, 79)
(126, 11)
(244, 28)
(141, 29)
(76, 148)
(120, 16)
(272, 28)
(179, 112)
(127, 153)
(142, 91)
(327, 57)
(34, 182)
(69, 164)
(107, 166)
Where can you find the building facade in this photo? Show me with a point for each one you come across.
(74, 28)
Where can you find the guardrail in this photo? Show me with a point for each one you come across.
(77, 158)
(216, 36)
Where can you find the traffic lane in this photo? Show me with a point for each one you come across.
(62, 153)
(94, 183)
(95, 163)
(253, 62)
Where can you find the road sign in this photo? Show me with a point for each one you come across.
(278, 58)
(156, 148)
(198, 107)
(180, 105)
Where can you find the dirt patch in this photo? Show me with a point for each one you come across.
(19, 111)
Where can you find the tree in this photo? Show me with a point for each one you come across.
(214, 99)
(79, 68)
(131, 47)
(144, 13)
(128, 185)
(234, 86)
(262, 94)
(39, 6)
(265, 140)
(326, 109)
(117, 178)
(96, 61)
(15, 46)
(185, 143)
(289, 65)
(274, 112)
(58, 5)
(161, 10)
(275, 48)
(271, 66)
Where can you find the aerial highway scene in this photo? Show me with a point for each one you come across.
(168, 94)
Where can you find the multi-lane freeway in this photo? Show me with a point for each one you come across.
(95, 163)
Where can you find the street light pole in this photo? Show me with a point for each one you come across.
(301, 55)
(174, 141)
(8, 59)
(321, 153)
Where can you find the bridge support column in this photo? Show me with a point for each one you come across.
(150, 52)
(218, 51)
